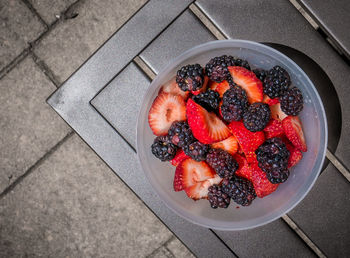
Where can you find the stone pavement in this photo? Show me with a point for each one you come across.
(57, 198)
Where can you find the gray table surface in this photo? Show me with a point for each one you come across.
(100, 104)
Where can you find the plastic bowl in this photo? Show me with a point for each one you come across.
(261, 211)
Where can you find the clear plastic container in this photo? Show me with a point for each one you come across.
(261, 211)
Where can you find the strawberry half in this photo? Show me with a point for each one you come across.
(277, 113)
(248, 81)
(180, 156)
(200, 190)
(204, 87)
(222, 87)
(294, 132)
(295, 155)
(172, 88)
(166, 109)
(262, 185)
(230, 145)
(213, 85)
(270, 101)
(249, 141)
(244, 169)
(205, 126)
(273, 129)
(189, 172)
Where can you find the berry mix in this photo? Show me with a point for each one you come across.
(232, 133)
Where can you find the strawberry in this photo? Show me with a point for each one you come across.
(294, 132)
(262, 185)
(180, 156)
(205, 126)
(277, 113)
(270, 101)
(166, 109)
(230, 145)
(200, 190)
(213, 85)
(295, 155)
(172, 88)
(248, 81)
(273, 129)
(222, 87)
(248, 140)
(190, 172)
(204, 87)
(244, 169)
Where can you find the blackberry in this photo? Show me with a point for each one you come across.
(240, 190)
(257, 116)
(209, 100)
(190, 77)
(276, 82)
(222, 162)
(180, 134)
(217, 198)
(272, 158)
(197, 150)
(260, 74)
(234, 104)
(292, 102)
(163, 149)
(216, 68)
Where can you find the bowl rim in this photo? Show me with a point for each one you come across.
(205, 47)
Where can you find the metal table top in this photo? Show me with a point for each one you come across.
(99, 102)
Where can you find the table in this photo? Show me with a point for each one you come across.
(100, 101)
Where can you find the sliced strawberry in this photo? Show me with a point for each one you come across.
(249, 141)
(172, 88)
(204, 87)
(190, 172)
(248, 81)
(270, 101)
(273, 129)
(262, 185)
(205, 126)
(244, 169)
(230, 145)
(295, 155)
(294, 132)
(277, 113)
(180, 156)
(166, 109)
(200, 190)
(222, 87)
(213, 85)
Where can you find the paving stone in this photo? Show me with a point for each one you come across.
(29, 127)
(73, 205)
(18, 26)
(74, 40)
(49, 10)
(324, 213)
(161, 252)
(178, 249)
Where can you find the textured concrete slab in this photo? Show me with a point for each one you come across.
(324, 214)
(161, 252)
(74, 40)
(119, 104)
(29, 127)
(18, 27)
(186, 32)
(51, 10)
(72, 205)
(178, 249)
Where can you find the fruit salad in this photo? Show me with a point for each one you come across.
(232, 132)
